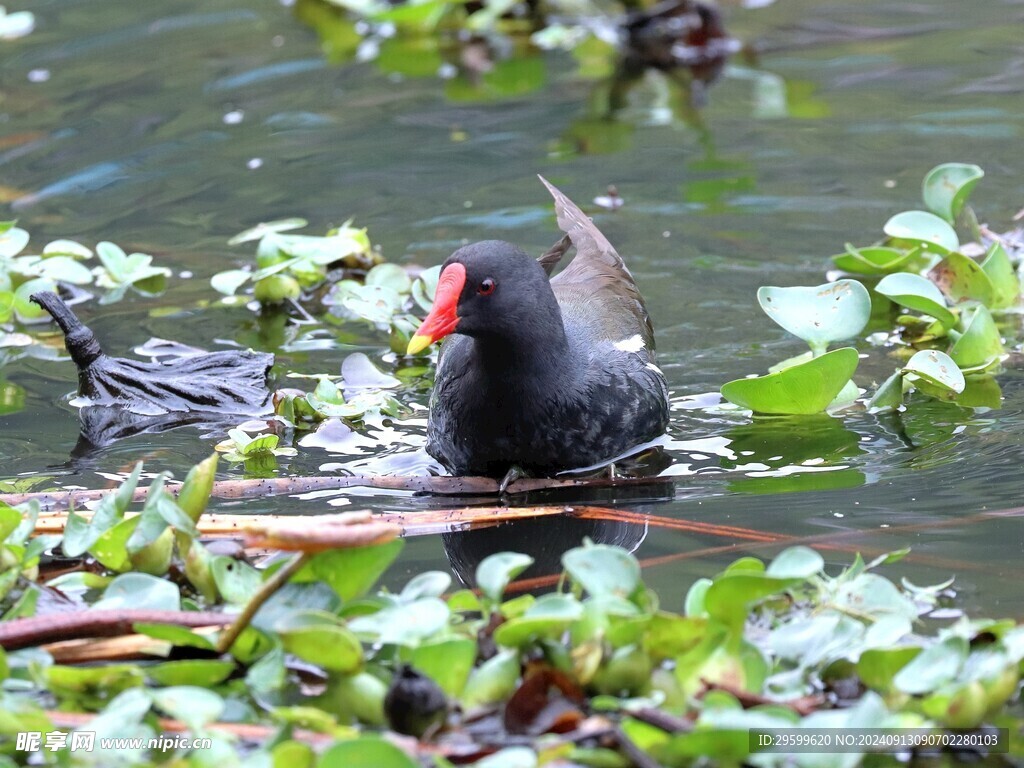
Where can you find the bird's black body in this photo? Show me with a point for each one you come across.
(546, 374)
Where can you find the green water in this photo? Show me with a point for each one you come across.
(120, 120)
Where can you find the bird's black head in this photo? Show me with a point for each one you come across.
(489, 289)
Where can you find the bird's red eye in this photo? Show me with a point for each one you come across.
(486, 287)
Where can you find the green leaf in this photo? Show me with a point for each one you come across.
(449, 662)
(980, 343)
(194, 706)
(236, 581)
(917, 293)
(602, 569)
(946, 188)
(139, 591)
(25, 310)
(819, 315)
(796, 563)
(322, 639)
(925, 228)
(934, 667)
(426, 584)
(205, 673)
(888, 395)
(366, 752)
(730, 596)
(67, 248)
(936, 368)
(548, 617)
(496, 571)
(1005, 283)
(391, 276)
(405, 624)
(64, 269)
(801, 389)
(175, 635)
(873, 260)
(877, 667)
(230, 280)
(12, 241)
(261, 229)
(493, 681)
(962, 279)
(351, 572)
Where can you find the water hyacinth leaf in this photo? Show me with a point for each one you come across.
(937, 368)
(923, 227)
(427, 584)
(236, 581)
(934, 667)
(139, 591)
(877, 667)
(425, 286)
(548, 618)
(448, 662)
(351, 573)
(190, 704)
(111, 549)
(320, 638)
(888, 395)
(181, 636)
(492, 682)
(12, 241)
(366, 752)
(25, 310)
(917, 293)
(695, 597)
(67, 248)
(359, 373)
(64, 269)
(1005, 283)
(496, 571)
(405, 624)
(818, 315)
(205, 673)
(603, 570)
(962, 279)
(229, 281)
(946, 188)
(799, 390)
(389, 276)
(257, 232)
(729, 597)
(872, 260)
(981, 392)
(980, 343)
(795, 563)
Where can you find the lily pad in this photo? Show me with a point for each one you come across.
(918, 293)
(936, 368)
(980, 343)
(947, 187)
(819, 315)
(923, 227)
(801, 389)
(888, 395)
(962, 279)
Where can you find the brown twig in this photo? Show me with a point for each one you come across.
(258, 488)
(20, 633)
(636, 756)
(803, 706)
(663, 720)
(277, 580)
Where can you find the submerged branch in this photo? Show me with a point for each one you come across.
(259, 488)
(21, 633)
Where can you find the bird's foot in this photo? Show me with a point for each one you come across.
(514, 473)
(610, 472)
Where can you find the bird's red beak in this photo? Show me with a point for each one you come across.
(442, 318)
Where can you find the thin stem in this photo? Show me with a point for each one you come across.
(277, 580)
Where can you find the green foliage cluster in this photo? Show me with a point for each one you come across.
(62, 262)
(324, 651)
(948, 299)
(287, 265)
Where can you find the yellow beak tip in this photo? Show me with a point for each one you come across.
(417, 344)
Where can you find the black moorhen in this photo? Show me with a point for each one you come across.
(542, 375)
